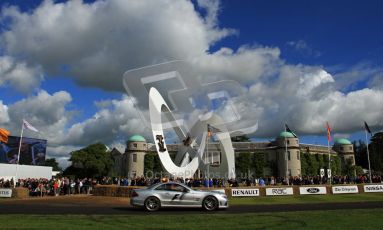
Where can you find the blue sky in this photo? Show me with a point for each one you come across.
(303, 62)
(335, 32)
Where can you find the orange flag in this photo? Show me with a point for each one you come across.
(4, 135)
(328, 132)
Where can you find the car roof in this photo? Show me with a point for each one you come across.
(169, 182)
(172, 182)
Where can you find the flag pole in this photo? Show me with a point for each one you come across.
(368, 158)
(329, 159)
(329, 151)
(287, 162)
(18, 154)
(207, 155)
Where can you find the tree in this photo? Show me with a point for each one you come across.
(243, 138)
(91, 161)
(360, 150)
(273, 165)
(313, 164)
(376, 152)
(243, 163)
(336, 165)
(258, 163)
(152, 165)
(358, 170)
(52, 163)
(304, 163)
(348, 169)
(320, 160)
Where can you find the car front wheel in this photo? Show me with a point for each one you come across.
(152, 204)
(210, 203)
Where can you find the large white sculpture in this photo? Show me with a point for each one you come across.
(157, 106)
(189, 101)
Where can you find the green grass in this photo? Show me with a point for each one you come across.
(304, 199)
(340, 219)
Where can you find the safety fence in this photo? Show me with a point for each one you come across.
(125, 191)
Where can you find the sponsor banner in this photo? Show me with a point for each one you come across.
(5, 192)
(373, 188)
(32, 151)
(345, 189)
(279, 191)
(245, 192)
(312, 190)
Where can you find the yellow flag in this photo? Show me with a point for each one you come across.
(4, 135)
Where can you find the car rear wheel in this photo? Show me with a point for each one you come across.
(152, 204)
(210, 203)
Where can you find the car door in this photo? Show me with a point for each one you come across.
(176, 193)
(187, 197)
(198, 196)
(164, 194)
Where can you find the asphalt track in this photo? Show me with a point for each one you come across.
(93, 205)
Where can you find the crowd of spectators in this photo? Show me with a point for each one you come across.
(221, 182)
(54, 186)
(308, 180)
(67, 186)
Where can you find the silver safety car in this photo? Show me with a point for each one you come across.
(172, 194)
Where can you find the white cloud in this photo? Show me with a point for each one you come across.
(304, 97)
(302, 47)
(19, 75)
(99, 41)
(44, 111)
(353, 77)
(376, 81)
(4, 118)
(246, 65)
(119, 120)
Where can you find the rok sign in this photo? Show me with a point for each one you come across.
(279, 191)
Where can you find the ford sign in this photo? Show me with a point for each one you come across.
(312, 190)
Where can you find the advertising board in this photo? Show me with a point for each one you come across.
(279, 191)
(32, 151)
(5, 192)
(312, 190)
(245, 192)
(345, 189)
(373, 188)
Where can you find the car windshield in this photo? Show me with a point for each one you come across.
(152, 186)
(170, 187)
